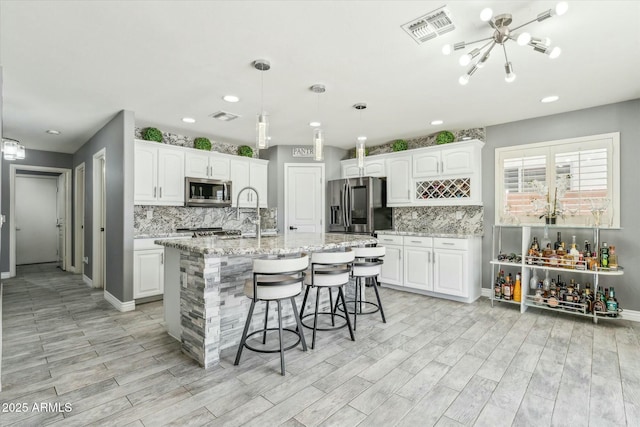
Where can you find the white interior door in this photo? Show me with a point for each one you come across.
(304, 197)
(61, 221)
(99, 220)
(36, 219)
(79, 220)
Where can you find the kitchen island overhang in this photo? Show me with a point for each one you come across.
(204, 302)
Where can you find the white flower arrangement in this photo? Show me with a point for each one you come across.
(549, 208)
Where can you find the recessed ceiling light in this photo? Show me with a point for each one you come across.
(314, 124)
(188, 120)
(231, 98)
(552, 98)
(437, 122)
(53, 132)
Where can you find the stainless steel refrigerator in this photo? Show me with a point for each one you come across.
(359, 205)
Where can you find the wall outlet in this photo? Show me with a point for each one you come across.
(414, 215)
(459, 214)
(85, 260)
(149, 214)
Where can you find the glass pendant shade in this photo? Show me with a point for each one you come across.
(262, 132)
(360, 151)
(13, 150)
(318, 144)
(21, 152)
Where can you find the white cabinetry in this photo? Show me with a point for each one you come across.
(206, 165)
(392, 268)
(159, 174)
(148, 269)
(399, 181)
(418, 264)
(436, 266)
(249, 172)
(372, 167)
(446, 161)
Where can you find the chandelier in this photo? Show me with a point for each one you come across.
(501, 35)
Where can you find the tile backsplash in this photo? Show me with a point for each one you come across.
(440, 219)
(166, 219)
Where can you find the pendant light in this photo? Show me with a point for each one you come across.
(318, 134)
(262, 125)
(12, 149)
(360, 143)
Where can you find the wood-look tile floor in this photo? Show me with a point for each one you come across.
(434, 362)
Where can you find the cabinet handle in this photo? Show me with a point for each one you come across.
(408, 195)
(160, 195)
(428, 257)
(154, 192)
(388, 240)
(441, 167)
(448, 244)
(161, 258)
(416, 241)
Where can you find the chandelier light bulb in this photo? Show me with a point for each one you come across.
(561, 8)
(511, 76)
(465, 59)
(463, 80)
(524, 39)
(447, 49)
(555, 52)
(486, 14)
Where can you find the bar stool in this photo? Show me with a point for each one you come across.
(328, 270)
(275, 280)
(367, 266)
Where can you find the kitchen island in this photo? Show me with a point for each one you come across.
(204, 302)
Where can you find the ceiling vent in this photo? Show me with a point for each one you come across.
(224, 116)
(430, 26)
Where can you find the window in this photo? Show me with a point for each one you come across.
(576, 178)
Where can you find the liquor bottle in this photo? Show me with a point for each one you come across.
(593, 262)
(545, 242)
(552, 299)
(546, 283)
(613, 258)
(534, 244)
(499, 284)
(506, 288)
(604, 255)
(558, 242)
(517, 289)
(534, 251)
(538, 299)
(600, 304)
(575, 254)
(588, 298)
(533, 282)
(612, 304)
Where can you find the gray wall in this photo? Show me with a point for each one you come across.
(622, 117)
(117, 138)
(281, 154)
(31, 158)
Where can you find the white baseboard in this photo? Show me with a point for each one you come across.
(119, 305)
(87, 280)
(5, 275)
(630, 315)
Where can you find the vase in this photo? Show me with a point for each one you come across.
(550, 219)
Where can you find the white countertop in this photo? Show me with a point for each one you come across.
(428, 234)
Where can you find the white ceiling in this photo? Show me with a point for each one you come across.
(71, 65)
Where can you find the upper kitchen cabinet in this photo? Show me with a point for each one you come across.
(207, 165)
(454, 159)
(372, 167)
(249, 172)
(159, 174)
(399, 180)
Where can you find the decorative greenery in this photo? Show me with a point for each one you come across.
(202, 143)
(445, 137)
(245, 150)
(399, 145)
(152, 134)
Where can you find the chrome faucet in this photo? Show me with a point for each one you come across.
(257, 221)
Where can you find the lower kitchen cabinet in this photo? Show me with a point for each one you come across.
(435, 266)
(148, 269)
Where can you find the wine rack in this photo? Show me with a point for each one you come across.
(457, 188)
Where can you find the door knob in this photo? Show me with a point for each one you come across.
(291, 227)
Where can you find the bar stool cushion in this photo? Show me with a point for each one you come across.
(331, 268)
(367, 262)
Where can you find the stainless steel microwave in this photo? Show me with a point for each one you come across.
(207, 192)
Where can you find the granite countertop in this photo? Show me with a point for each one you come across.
(162, 235)
(280, 244)
(428, 234)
